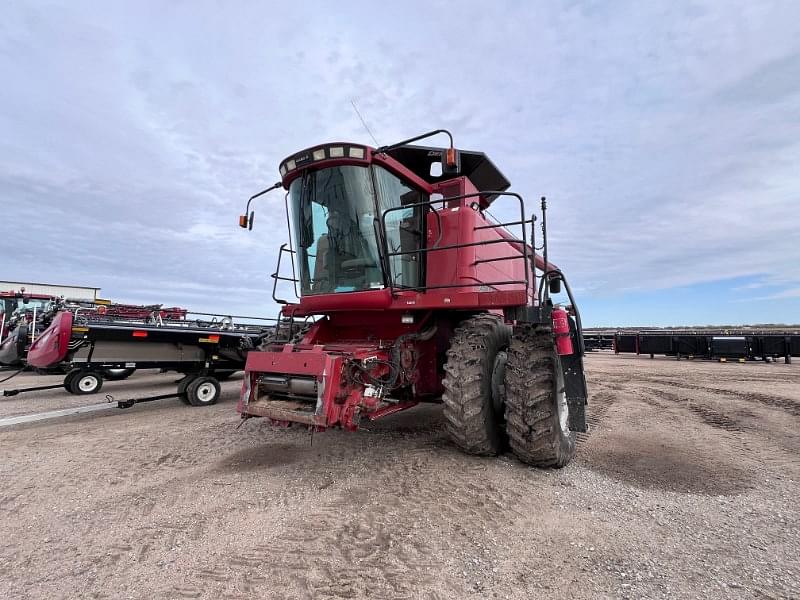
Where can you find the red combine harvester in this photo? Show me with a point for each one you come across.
(419, 295)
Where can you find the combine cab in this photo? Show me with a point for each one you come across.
(419, 295)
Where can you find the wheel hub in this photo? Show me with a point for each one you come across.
(87, 383)
(206, 392)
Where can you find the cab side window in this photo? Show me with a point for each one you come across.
(404, 231)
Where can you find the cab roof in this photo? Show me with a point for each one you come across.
(480, 170)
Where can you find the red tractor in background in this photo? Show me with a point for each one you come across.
(418, 295)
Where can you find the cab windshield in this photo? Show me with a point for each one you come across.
(335, 226)
(334, 213)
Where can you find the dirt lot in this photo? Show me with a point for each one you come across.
(687, 486)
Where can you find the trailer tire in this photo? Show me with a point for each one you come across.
(68, 379)
(203, 391)
(473, 385)
(86, 382)
(183, 384)
(117, 374)
(537, 413)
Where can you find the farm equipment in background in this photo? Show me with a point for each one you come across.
(19, 315)
(92, 342)
(24, 316)
(742, 344)
(422, 296)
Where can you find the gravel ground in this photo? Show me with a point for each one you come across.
(686, 486)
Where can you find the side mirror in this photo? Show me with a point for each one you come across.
(555, 286)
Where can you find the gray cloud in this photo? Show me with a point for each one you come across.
(666, 136)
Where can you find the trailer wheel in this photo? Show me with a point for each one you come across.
(86, 382)
(68, 379)
(183, 384)
(473, 385)
(117, 374)
(537, 413)
(203, 391)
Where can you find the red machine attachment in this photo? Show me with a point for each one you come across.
(321, 384)
(52, 346)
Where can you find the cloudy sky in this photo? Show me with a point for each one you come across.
(666, 135)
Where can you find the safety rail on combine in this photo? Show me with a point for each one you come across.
(417, 251)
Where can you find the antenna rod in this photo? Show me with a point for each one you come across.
(544, 235)
(363, 122)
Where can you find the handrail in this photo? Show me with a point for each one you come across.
(436, 247)
(276, 275)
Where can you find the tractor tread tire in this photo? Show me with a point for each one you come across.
(470, 419)
(532, 421)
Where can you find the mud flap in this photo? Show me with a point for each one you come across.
(575, 388)
(575, 383)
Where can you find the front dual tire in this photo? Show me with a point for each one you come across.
(505, 389)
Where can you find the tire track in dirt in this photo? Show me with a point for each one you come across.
(707, 414)
(786, 404)
(662, 455)
(742, 440)
(602, 396)
(379, 547)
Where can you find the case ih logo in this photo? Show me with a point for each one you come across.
(302, 158)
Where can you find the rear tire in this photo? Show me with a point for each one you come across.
(537, 413)
(473, 384)
(203, 391)
(86, 382)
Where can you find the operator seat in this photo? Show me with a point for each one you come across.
(329, 274)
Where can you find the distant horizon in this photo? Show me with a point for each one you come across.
(276, 308)
(709, 326)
